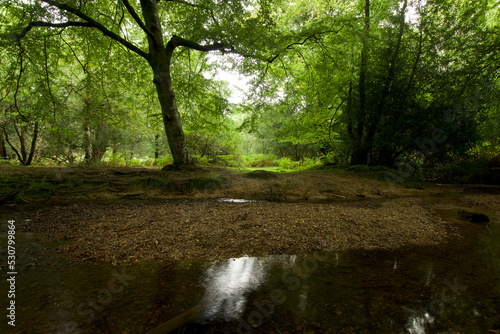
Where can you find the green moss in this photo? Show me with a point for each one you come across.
(261, 174)
(209, 182)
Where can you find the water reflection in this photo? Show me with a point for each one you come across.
(236, 200)
(416, 324)
(227, 285)
(448, 288)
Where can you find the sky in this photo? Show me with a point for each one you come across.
(238, 83)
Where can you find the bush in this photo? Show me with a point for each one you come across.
(460, 169)
(135, 163)
(260, 160)
(287, 163)
(203, 161)
(167, 159)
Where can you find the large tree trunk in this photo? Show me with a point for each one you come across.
(359, 154)
(87, 113)
(97, 153)
(170, 113)
(160, 57)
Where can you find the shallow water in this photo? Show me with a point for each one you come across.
(236, 200)
(452, 288)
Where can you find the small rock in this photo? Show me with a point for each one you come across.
(473, 217)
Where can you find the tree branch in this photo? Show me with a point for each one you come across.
(75, 55)
(51, 25)
(46, 63)
(183, 2)
(18, 82)
(11, 146)
(92, 23)
(139, 21)
(179, 41)
(176, 41)
(312, 36)
(33, 145)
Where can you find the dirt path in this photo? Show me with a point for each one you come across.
(126, 214)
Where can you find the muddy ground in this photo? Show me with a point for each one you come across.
(132, 214)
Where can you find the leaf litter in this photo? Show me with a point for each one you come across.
(119, 233)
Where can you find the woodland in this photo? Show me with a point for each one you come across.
(409, 85)
(343, 153)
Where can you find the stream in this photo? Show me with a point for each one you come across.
(449, 288)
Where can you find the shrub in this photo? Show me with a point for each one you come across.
(167, 159)
(260, 160)
(287, 163)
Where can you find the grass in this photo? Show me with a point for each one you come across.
(261, 174)
(19, 185)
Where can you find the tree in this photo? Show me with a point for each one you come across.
(368, 78)
(206, 26)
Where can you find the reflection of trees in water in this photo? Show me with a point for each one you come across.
(227, 285)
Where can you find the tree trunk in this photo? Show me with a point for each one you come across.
(386, 89)
(33, 144)
(359, 153)
(362, 73)
(3, 148)
(98, 153)
(25, 157)
(157, 148)
(160, 58)
(99, 147)
(87, 143)
(171, 117)
(23, 154)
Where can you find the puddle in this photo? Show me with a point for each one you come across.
(453, 288)
(237, 200)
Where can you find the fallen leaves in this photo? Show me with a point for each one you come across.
(175, 230)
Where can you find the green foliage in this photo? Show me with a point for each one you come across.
(166, 160)
(458, 169)
(228, 160)
(328, 83)
(308, 163)
(287, 163)
(260, 160)
(350, 94)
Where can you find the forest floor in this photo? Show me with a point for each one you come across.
(131, 214)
